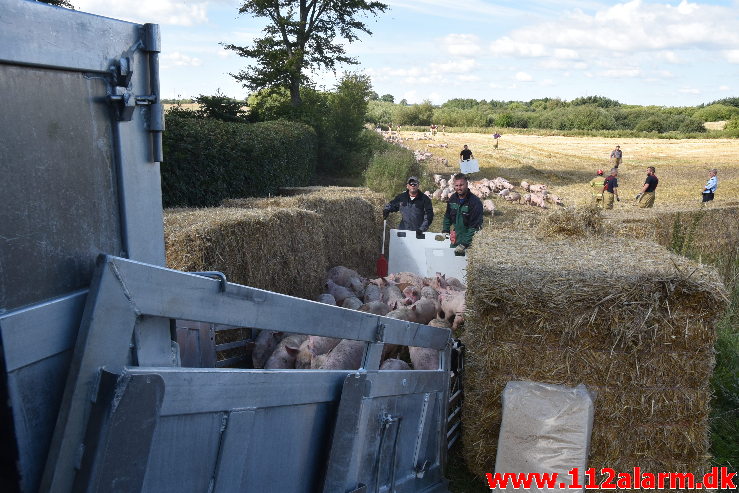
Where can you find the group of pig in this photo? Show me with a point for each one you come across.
(533, 195)
(438, 301)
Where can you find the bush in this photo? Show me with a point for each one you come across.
(388, 170)
(716, 112)
(207, 160)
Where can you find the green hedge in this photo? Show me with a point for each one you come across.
(206, 160)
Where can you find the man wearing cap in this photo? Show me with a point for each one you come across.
(597, 184)
(415, 208)
(464, 212)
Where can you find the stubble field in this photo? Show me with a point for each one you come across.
(567, 164)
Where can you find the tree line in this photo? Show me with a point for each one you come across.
(592, 113)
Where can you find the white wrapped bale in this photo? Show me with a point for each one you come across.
(545, 429)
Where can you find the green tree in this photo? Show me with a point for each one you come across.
(59, 3)
(221, 107)
(388, 98)
(300, 36)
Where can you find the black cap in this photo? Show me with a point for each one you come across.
(412, 180)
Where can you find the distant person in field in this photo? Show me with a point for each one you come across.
(464, 212)
(597, 185)
(466, 154)
(646, 196)
(433, 130)
(610, 189)
(416, 210)
(616, 156)
(711, 186)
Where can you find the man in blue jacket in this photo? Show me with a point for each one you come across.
(416, 210)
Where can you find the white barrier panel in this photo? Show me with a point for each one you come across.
(424, 256)
(469, 166)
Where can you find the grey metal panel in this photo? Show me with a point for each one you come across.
(30, 335)
(37, 349)
(389, 438)
(60, 207)
(124, 290)
(152, 342)
(184, 453)
(120, 434)
(70, 39)
(195, 390)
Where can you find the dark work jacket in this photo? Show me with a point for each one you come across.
(416, 214)
(465, 216)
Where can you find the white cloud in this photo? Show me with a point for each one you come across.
(565, 54)
(621, 73)
(177, 59)
(724, 88)
(631, 27)
(167, 12)
(468, 78)
(523, 77)
(689, 90)
(461, 44)
(732, 56)
(454, 66)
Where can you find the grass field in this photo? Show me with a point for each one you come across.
(567, 164)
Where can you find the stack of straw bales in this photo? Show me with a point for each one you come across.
(627, 318)
(284, 244)
(350, 222)
(256, 247)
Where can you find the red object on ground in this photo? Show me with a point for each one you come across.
(382, 261)
(453, 237)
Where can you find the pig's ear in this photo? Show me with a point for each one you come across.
(292, 351)
(413, 307)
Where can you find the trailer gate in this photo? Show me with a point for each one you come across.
(95, 392)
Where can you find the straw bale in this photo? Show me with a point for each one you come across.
(255, 247)
(570, 221)
(351, 222)
(632, 321)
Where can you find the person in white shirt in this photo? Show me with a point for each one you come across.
(711, 185)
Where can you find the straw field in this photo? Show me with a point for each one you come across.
(627, 318)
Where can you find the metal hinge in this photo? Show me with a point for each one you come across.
(125, 101)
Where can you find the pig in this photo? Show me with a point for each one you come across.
(372, 293)
(265, 343)
(376, 307)
(537, 188)
(412, 294)
(284, 355)
(452, 308)
(437, 179)
(353, 303)
(525, 185)
(356, 284)
(504, 192)
(555, 199)
(428, 194)
(403, 313)
(438, 282)
(425, 310)
(312, 347)
(455, 284)
(341, 275)
(408, 278)
(538, 200)
(424, 358)
(445, 195)
(430, 293)
(392, 296)
(340, 293)
(437, 194)
(394, 364)
(327, 299)
(488, 206)
(347, 355)
(513, 197)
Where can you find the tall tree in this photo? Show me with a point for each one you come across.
(59, 3)
(301, 35)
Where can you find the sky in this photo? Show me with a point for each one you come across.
(644, 52)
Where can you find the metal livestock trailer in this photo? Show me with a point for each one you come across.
(95, 392)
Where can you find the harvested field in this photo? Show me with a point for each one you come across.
(632, 321)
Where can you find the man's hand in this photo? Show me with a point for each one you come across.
(460, 250)
(453, 237)
(419, 234)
